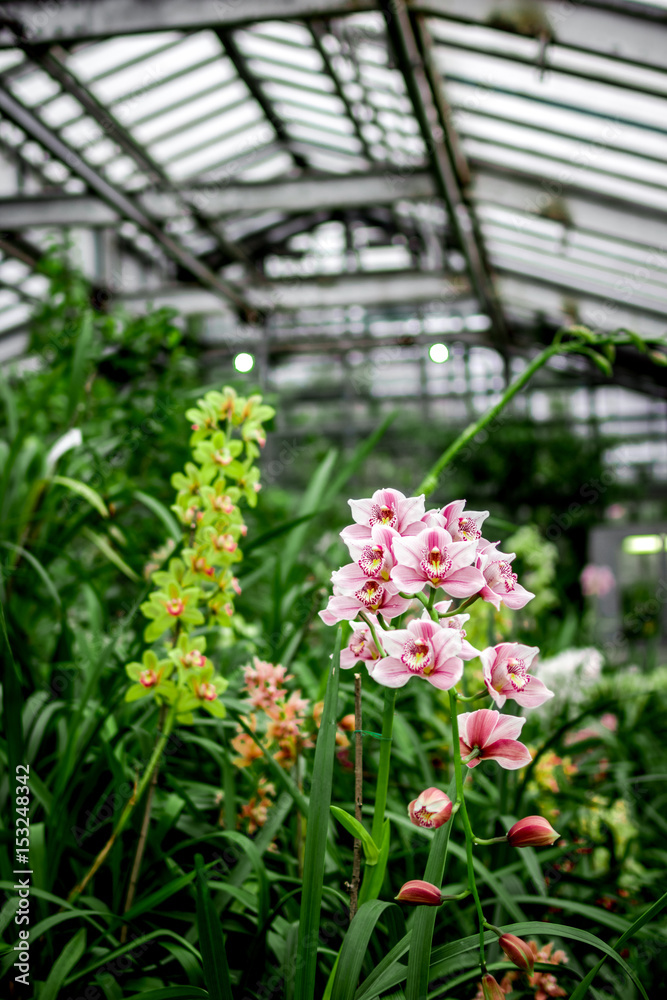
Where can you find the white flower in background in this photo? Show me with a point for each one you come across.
(571, 673)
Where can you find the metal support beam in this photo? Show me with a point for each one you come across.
(434, 128)
(301, 196)
(84, 20)
(388, 289)
(121, 202)
(255, 88)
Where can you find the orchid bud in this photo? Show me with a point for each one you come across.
(532, 831)
(491, 988)
(430, 809)
(519, 952)
(419, 892)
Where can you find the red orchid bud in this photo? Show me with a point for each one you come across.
(491, 988)
(532, 831)
(430, 809)
(519, 952)
(419, 892)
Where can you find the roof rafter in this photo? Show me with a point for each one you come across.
(434, 127)
(123, 203)
(216, 201)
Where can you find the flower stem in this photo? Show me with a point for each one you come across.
(129, 806)
(472, 697)
(383, 769)
(491, 840)
(430, 481)
(378, 644)
(470, 837)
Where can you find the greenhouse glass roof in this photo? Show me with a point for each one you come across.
(319, 173)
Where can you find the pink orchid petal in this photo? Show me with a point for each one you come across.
(407, 579)
(510, 754)
(477, 728)
(349, 577)
(508, 727)
(393, 606)
(489, 595)
(447, 674)
(408, 551)
(464, 583)
(391, 672)
(355, 534)
(394, 642)
(462, 554)
(534, 694)
(361, 510)
(517, 598)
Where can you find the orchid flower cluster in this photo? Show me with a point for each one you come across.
(400, 554)
(199, 585)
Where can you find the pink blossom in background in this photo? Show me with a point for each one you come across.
(360, 647)
(424, 649)
(431, 809)
(264, 682)
(597, 581)
(389, 508)
(468, 652)
(505, 671)
(431, 557)
(495, 735)
(372, 596)
(500, 583)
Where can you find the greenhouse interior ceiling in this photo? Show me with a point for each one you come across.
(335, 186)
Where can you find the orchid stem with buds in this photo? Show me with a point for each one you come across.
(470, 837)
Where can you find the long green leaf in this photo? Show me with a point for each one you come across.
(85, 491)
(371, 985)
(358, 830)
(107, 550)
(355, 948)
(419, 958)
(66, 961)
(171, 993)
(79, 359)
(211, 941)
(161, 512)
(653, 911)
(371, 887)
(316, 836)
(39, 569)
(573, 933)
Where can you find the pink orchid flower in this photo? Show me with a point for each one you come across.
(468, 652)
(373, 557)
(494, 736)
(431, 557)
(463, 527)
(390, 508)
(361, 647)
(373, 595)
(431, 809)
(423, 649)
(505, 671)
(500, 583)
